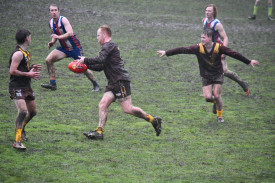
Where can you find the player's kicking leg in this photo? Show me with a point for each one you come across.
(128, 108)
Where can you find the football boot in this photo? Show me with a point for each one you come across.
(96, 89)
(270, 18)
(19, 145)
(220, 119)
(157, 125)
(49, 86)
(252, 17)
(245, 87)
(93, 135)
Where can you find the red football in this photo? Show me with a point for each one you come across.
(77, 67)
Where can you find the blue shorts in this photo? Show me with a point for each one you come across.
(73, 54)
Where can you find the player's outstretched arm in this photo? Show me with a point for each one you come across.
(161, 53)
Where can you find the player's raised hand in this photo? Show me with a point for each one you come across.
(161, 53)
(253, 62)
(34, 74)
(36, 67)
(55, 36)
(50, 44)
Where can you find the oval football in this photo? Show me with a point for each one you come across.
(76, 67)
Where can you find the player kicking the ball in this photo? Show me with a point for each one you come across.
(69, 47)
(211, 69)
(118, 83)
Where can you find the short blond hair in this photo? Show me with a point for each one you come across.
(106, 29)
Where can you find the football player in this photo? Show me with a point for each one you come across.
(209, 55)
(219, 36)
(69, 47)
(118, 83)
(255, 10)
(21, 73)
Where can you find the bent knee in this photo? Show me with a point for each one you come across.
(23, 112)
(33, 113)
(51, 59)
(217, 96)
(127, 110)
(102, 106)
(226, 71)
(209, 99)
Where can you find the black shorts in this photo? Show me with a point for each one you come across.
(121, 89)
(218, 80)
(22, 93)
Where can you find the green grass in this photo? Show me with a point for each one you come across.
(193, 147)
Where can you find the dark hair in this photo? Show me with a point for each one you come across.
(106, 29)
(207, 32)
(54, 6)
(21, 35)
(215, 9)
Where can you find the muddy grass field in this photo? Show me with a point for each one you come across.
(193, 147)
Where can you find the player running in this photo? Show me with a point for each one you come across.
(21, 73)
(118, 87)
(219, 36)
(255, 10)
(209, 55)
(69, 47)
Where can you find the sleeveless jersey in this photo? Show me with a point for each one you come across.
(24, 66)
(58, 28)
(211, 25)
